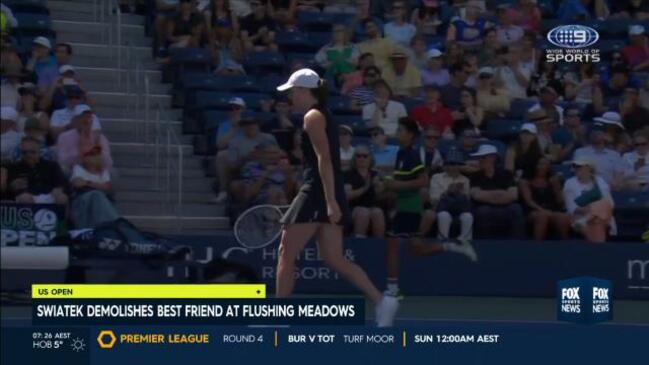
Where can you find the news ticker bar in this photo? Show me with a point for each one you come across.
(148, 291)
(192, 311)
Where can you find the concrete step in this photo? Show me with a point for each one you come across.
(129, 160)
(129, 125)
(110, 74)
(158, 208)
(96, 49)
(135, 196)
(189, 224)
(194, 184)
(117, 112)
(132, 137)
(103, 86)
(148, 172)
(108, 99)
(138, 149)
(67, 28)
(84, 11)
(100, 36)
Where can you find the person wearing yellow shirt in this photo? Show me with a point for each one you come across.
(403, 77)
(382, 48)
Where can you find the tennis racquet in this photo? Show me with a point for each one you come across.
(259, 226)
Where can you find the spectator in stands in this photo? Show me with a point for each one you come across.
(487, 53)
(545, 129)
(63, 54)
(435, 74)
(433, 113)
(578, 88)
(634, 114)
(523, 155)
(403, 77)
(42, 63)
(241, 149)
(269, 177)
(417, 53)
(340, 56)
(295, 155)
(228, 129)
(32, 179)
(362, 185)
(11, 82)
(454, 53)
(495, 196)
(8, 132)
(637, 162)
(185, 29)
(364, 94)
(468, 145)
(220, 19)
(634, 9)
(427, 18)
(222, 32)
(429, 151)
(469, 30)
(355, 79)
(34, 130)
(571, 135)
(374, 43)
(384, 154)
(383, 112)
(399, 30)
(548, 101)
(572, 10)
(543, 198)
(494, 101)
(282, 126)
(636, 53)
(164, 13)
(346, 149)
(471, 68)
(614, 89)
(589, 202)
(92, 190)
(452, 92)
(617, 138)
(62, 118)
(508, 33)
(450, 195)
(258, 29)
(71, 145)
(470, 115)
(28, 106)
(548, 74)
(527, 15)
(511, 74)
(607, 162)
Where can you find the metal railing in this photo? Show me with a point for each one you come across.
(109, 14)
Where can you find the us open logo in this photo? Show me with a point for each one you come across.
(572, 41)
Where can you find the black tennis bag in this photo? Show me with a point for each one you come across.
(122, 253)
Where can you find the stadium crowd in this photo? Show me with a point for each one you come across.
(513, 146)
(53, 150)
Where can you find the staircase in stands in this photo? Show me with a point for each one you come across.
(138, 199)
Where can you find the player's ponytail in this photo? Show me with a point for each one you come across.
(321, 93)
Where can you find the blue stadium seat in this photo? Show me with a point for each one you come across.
(294, 42)
(319, 39)
(194, 59)
(239, 83)
(361, 140)
(197, 81)
(265, 62)
(320, 22)
(503, 129)
(254, 100)
(341, 105)
(269, 83)
(203, 99)
(631, 199)
(519, 107)
(212, 118)
(355, 121)
(306, 58)
(33, 21)
(28, 6)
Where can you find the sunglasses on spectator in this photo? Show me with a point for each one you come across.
(362, 155)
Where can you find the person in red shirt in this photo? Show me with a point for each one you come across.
(637, 53)
(433, 113)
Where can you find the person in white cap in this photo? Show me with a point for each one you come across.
(495, 197)
(495, 101)
(435, 74)
(72, 144)
(8, 132)
(42, 63)
(607, 162)
(61, 118)
(589, 202)
(228, 130)
(522, 155)
(637, 52)
(320, 208)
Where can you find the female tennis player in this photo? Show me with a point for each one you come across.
(320, 208)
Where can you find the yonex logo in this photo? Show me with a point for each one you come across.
(573, 36)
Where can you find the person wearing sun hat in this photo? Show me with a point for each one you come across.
(589, 202)
(43, 63)
(403, 77)
(608, 162)
(494, 192)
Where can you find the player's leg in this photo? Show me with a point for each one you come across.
(330, 246)
(294, 238)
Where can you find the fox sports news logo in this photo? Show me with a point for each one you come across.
(572, 42)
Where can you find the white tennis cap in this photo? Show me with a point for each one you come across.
(612, 118)
(80, 109)
(9, 113)
(529, 127)
(43, 42)
(305, 77)
(65, 68)
(237, 101)
(484, 150)
(636, 29)
(434, 53)
(486, 71)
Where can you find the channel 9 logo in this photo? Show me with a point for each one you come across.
(572, 42)
(585, 300)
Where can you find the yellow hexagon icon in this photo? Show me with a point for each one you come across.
(106, 345)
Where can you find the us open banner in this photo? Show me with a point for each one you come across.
(31, 224)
